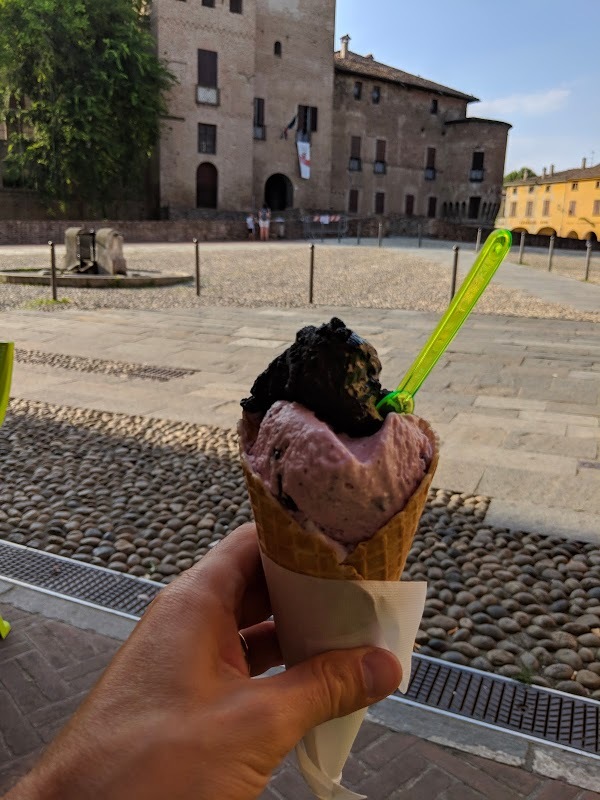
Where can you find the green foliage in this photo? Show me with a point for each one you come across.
(83, 94)
(519, 174)
(46, 303)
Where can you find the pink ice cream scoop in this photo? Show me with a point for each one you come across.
(346, 487)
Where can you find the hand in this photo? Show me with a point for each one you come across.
(176, 714)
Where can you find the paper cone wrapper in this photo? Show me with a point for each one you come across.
(320, 604)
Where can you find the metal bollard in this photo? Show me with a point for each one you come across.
(420, 233)
(478, 242)
(322, 233)
(521, 247)
(358, 232)
(53, 271)
(197, 248)
(550, 252)
(311, 281)
(454, 271)
(380, 234)
(340, 232)
(588, 258)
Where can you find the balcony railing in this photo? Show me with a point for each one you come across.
(476, 175)
(355, 164)
(207, 95)
(430, 173)
(260, 132)
(380, 167)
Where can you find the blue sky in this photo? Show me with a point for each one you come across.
(532, 63)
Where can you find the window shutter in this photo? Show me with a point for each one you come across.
(431, 158)
(353, 201)
(355, 147)
(313, 118)
(259, 112)
(478, 160)
(380, 150)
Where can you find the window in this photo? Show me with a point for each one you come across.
(597, 184)
(357, 90)
(430, 164)
(546, 208)
(376, 94)
(515, 190)
(259, 119)
(529, 209)
(547, 188)
(434, 105)
(474, 207)
(531, 189)
(235, 6)
(596, 211)
(379, 166)
(575, 186)
(208, 3)
(307, 122)
(513, 210)
(277, 49)
(409, 205)
(379, 202)
(431, 207)
(572, 206)
(355, 164)
(353, 201)
(207, 138)
(207, 91)
(477, 171)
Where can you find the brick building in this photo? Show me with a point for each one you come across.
(257, 77)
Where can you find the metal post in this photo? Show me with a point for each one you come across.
(312, 274)
(454, 271)
(53, 270)
(197, 248)
(358, 232)
(550, 252)
(478, 242)
(588, 258)
(420, 233)
(521, 247)
(379, 234)
(322, 232)
(340, 231)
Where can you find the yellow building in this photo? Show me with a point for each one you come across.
(564, 203)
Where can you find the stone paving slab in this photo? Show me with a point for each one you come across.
(47, 667)
(516, 419)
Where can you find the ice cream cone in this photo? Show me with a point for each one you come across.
(380, 558)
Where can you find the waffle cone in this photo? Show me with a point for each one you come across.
(380, 558)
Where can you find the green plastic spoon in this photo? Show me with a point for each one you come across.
(487, 262)
(6, 363)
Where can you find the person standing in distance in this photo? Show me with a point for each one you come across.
(264, 223)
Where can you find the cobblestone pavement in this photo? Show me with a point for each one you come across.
(47, 667)
(514, 401)
(277, 274)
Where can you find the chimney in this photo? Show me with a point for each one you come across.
(544, 171)
(551, 169)
(583, 163)
(344, 48)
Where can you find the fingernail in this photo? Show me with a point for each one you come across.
(381, 673)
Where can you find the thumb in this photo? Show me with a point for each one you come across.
(332, 685)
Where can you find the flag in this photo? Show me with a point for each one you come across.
(289, 127)
(304, 159)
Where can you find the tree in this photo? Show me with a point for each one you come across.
(520, 174)
(83, 95)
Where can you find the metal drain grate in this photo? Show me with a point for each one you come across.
(85, 583)
(544, 715)
(101, 366)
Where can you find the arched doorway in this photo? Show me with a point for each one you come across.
(591, 237)
(279, 192)
(207, 185)
(546, 232)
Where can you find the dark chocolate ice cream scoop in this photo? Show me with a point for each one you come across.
(330, 370)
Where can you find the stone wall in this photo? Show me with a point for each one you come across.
(20, 204)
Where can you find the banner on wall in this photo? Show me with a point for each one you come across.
(304, 159)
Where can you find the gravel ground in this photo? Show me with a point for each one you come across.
(150, 497)
(277, 275)
(571, 266)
